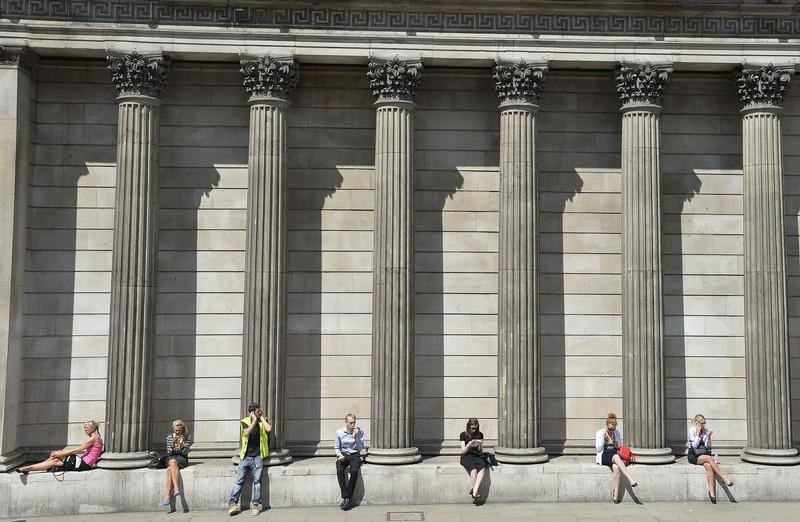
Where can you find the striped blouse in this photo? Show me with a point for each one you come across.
(187, 442)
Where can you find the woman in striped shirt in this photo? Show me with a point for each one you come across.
(178, 444)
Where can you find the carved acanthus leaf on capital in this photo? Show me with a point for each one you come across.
(394, 79)
(137, 74)
(268, 77)
(641, 84)
(20, 56)
(519, 81)
(763, 85)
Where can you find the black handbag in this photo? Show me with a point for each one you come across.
(489, 459)
(700, 450)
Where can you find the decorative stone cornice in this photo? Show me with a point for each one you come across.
(268, 77)
(663, 19)
(764, 85)
(641, 84)
(394, 79)
(19, 56)
(137, 74)
(519, 81)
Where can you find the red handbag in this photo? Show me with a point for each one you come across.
(625, 453)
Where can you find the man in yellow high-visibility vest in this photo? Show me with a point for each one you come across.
(253, 450)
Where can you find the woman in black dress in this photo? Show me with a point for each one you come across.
(471, 459)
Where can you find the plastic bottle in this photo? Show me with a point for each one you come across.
(716, 458)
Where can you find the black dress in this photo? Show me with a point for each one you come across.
(472, 459)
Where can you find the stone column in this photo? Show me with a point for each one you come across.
(640, 88)
(394, 84)
(15, 172)
(769, 422)
(518, 87)
(134, 274)
(270, 83)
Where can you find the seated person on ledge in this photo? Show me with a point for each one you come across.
(347, 444)
(69, 459)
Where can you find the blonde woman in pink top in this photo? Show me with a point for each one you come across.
(81, 458)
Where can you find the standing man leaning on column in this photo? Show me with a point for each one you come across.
(347, 444)
(254, 449)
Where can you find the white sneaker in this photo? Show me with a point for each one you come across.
(233, 509)
(255, 509)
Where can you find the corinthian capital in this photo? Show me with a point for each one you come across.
(137, 74)
(763, 85)
(19, 56)
(394, 79)
(519, 81)
(641, 84)
(268, 77)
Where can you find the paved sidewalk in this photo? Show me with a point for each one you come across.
(726, 511)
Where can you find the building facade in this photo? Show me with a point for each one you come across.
(524, 212)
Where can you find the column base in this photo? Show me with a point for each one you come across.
(393, 456)
(520, 455)
(771, 457)
(653, 456)
(11, 460)
(128, 460)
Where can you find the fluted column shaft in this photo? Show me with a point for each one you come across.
(392, 439)
(761, 90)
(134, 272)
(270, 82)
(642, 293)
(265, 269)
(133, 284)
(643, 395)
(394, 84)
(518, 344)
(766, 336)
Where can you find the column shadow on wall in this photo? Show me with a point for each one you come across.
(53, 299)
(179, 213)
(305, 207)
(429, 297)
(676, 392)
(552, 319)
(792, 251)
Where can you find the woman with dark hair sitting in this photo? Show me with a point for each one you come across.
(471, 450)
(178, 444)
(80, 458)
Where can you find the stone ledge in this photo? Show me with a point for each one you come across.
(438, 480)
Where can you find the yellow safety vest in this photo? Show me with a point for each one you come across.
(263, 439)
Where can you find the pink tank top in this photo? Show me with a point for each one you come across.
(93, 454)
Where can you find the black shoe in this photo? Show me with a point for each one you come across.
(617, 501)
(341, 504)
(470, 493)
(347, 505)
(712, 499)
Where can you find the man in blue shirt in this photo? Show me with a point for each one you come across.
(347, 444)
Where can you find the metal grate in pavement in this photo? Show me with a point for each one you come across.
(405, 515)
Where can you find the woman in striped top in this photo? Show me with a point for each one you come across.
(178, 444)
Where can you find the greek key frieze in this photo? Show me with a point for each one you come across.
(254, 15)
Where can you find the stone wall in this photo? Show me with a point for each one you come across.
(202, 203)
